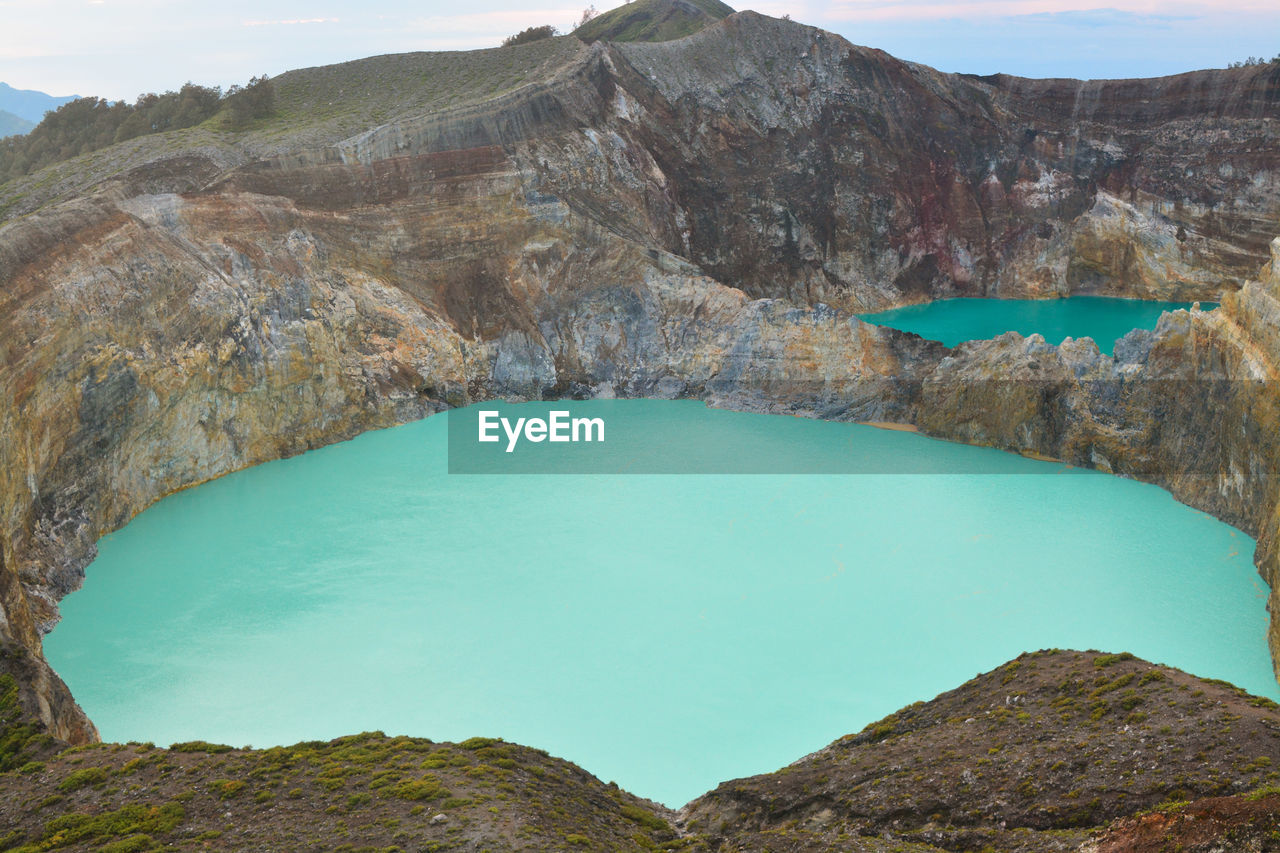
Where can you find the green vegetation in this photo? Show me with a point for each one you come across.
(1009, 671)
(880, 731)
(479, 742)
(19, 737)
(645, 818)
(228, 788)
(254, 101)
(428, 788)
(313, 107)
(531, 34)
(361, 792)
(652, 20)
(201, 746)
(90, 124)
(124, 824)
(1255, 60)
(77, 779)
(1105, 686)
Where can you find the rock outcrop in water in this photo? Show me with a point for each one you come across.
(689, 218)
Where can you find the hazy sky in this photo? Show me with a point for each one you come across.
(119, 48)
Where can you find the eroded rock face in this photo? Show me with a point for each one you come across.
(1243, 822)
(1025, 758)
(696, 218)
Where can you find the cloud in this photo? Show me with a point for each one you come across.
(496, 21)
(1103, 18)
(289, 22)
(119, 48)
(1087, 12)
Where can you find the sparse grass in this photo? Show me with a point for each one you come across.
(1260, 793)
(228, 788)
(314, 107)
(645, 818)
(20, 738)
(201, 746)
(131, 820)
(77, 779)
(652, 20)
(427, 788)
(381, 799)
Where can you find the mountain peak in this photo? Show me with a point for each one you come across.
(653, 20)
(28, 104)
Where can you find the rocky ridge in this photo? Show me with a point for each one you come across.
(1054, 751)
(1031, 756)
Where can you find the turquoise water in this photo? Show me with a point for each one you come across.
(1105, 319)
(666, 632)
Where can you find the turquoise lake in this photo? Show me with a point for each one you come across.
(667, 632)
(1105, 319)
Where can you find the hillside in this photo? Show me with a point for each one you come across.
(314, 107)
(1030, 757)
(653, 20)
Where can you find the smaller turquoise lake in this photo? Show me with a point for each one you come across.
(1103, 318)
(666, 631)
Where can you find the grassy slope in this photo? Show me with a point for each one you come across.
(314, 107)
(329, 103)
(653, 20)
(363, 792)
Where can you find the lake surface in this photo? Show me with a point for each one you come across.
(1105, 319)
(665, 631)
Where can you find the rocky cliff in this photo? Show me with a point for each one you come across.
(689, 218)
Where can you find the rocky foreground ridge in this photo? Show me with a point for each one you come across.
(694, 218)
(1055, 751)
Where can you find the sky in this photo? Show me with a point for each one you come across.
(121, 48)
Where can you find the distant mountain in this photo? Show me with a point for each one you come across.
(653, 20)
(29, 104)
(12, 125)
